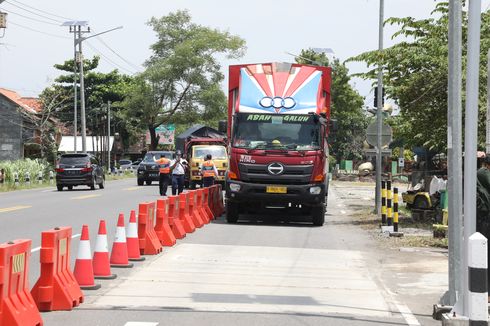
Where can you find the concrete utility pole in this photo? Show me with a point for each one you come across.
(82, 94)
(379, 115)
(108, 135)
(471, 133)
(454, 153)
(75, 99)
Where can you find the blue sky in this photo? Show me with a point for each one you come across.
(270, 28)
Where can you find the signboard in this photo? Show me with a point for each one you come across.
(166, 133)
(401, 162)
(372, 136)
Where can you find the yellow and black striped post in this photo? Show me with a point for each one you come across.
(383, 202)
(395, 209)
(388, 203)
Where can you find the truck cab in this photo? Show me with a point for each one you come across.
(196, 158)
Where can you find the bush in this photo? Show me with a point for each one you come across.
(24, 166)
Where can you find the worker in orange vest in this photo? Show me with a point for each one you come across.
(208, 171)
(164, 177)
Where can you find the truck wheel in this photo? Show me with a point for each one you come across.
(59, 187)
(140, 182)
(232, 212)
(318, 215)
(148, 182)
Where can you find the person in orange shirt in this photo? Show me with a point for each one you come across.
(164, 176)
(208, 171)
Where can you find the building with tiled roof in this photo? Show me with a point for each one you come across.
(16, 131)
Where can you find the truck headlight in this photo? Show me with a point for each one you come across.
(315, 190)
(234, 187)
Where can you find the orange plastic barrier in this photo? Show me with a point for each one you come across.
(17, 307)
(193, 212)
(200, 206)
(205, 202)
(173, 217)
(149, 243)
(184, 216)
(162, 228)
(56, 288)
(214, 201)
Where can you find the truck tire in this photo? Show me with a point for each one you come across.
(232, 212)
(59, 187)
(148, 182)
(318, 215)
(141, 182)
(421, 202)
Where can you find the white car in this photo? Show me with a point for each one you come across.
(125, 165)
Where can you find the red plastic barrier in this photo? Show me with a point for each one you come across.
(162, 228)
(200, 206)
(184, 216)
(193, 212)
(206, 206)
(56, 288)
(17, 307)
(149, 243)
(173, 217)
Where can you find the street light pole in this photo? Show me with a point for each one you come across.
(379, 115)
(82, 82)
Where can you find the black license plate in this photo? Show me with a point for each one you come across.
(153, 175)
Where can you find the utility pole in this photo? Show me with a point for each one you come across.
(471, 132)
(108, 135)
(379, 115)
(82, 94)
(73, 29)
(454, 153)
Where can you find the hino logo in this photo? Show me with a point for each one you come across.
(275, 168)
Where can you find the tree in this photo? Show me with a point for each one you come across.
(44, 125)
(181, 82)
(99, 89)
(415, 75)
(346, 108)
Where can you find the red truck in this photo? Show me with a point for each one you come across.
(278, 122)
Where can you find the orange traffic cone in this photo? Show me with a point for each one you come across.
(119, 254)
(84, 272)
(132, 240)
(102, 267)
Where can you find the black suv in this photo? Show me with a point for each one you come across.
(79, 169)
(148, 169)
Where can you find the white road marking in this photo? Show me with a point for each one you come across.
(49, 190)
(39, 248)
(132, 188)
(140, 323)
(367, 198)
(343, 212)
(402, 308)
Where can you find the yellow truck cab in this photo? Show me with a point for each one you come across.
(198, 153)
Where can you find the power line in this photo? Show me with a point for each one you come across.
(34, 13)
(38, 31)
(31, 18)
(46, 12)
(121, 57)
(108, 59)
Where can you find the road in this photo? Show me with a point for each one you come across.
(252, 273)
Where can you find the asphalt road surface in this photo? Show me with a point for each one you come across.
(252, 273)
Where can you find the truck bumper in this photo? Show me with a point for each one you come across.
(295, 195)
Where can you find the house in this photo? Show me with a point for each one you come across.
(19, 137)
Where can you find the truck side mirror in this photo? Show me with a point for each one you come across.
(223, 126)
(333, 125)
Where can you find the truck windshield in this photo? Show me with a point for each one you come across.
(217, 152)
(286, 132)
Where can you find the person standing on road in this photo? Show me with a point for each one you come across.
(177, 166)
(208, 171)
(164, 176)
(483, 202)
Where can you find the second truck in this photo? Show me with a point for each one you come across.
(278, 122)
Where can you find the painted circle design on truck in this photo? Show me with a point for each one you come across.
(277, 102)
